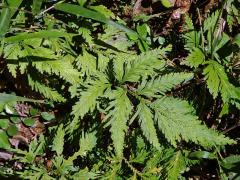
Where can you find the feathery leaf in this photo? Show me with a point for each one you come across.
(195, 58)
(119, 116)
(58, 141)
(145, 64)
(176, 120)
(217, 81)
(46, 91)
(88, 100)
(62, 68)
(147, 124)
(174, 166)
(164, 83)
(87, 142)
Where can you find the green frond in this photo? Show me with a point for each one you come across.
(44, 90)
(63, 68)
(86, 34)
(84, 174)
(147, 124)
(211, 73)
(217, 82)
(177, 121)
(42, 52)
(87, 63)
(174, 167)
(13, 53)
(58, 141)
(191, 36)
(119, 61)
(211, 21)
(119, 116)
(188, 26)
(164, 83)
(87, 142)
(232, 14)
(152, 164)
(88, 100)
(12, 68)
(145, 64)
(237, 104)
(195, 58)
(102, 62)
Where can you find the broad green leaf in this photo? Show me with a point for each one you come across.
(4, 123)
(9, 109)
(8, 98)
(39, 34)
(15, 119)
(47, 116)
(4, 143)
(12, 130)
(191, 36)
(167, 3)
(88, 100)
(202, 155)
(231, 163)
(62, 68)
(33, 111)
(142, 30)
(29, 121)
(84, 12)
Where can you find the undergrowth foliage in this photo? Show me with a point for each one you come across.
(112, 103)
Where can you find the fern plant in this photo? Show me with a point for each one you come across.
(95, 80)
(58, 166)
(129, 100)
(206, 49)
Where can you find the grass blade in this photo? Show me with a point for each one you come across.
(39, 34)
(13, 5)
(5, 19)
(6, 98)
(84, 12)
(36, 7)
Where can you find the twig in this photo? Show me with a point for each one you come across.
(50, 8)
(231, 128)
